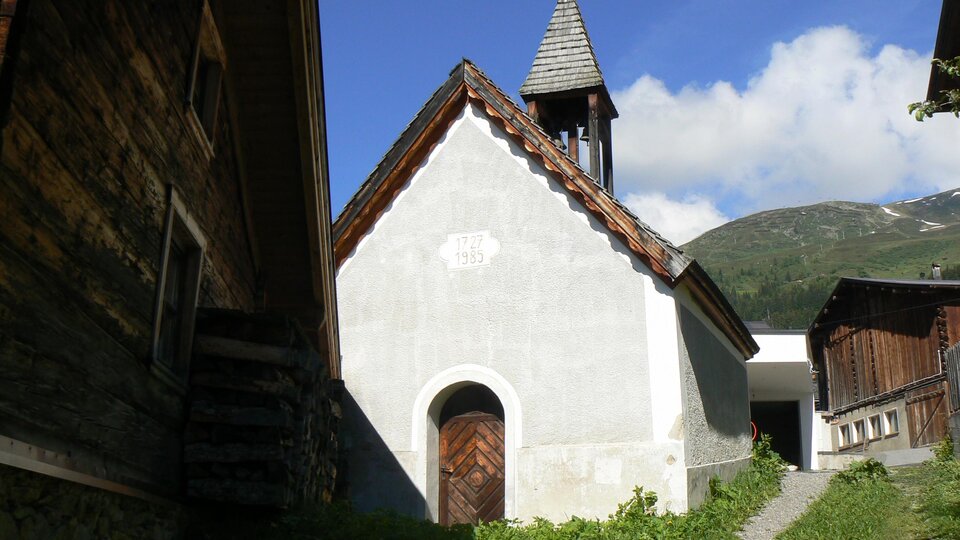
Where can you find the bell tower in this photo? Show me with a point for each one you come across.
(566, 95)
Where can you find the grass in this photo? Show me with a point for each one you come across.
(727, 508)
(920, 501)
(934, 488)
(855, 507)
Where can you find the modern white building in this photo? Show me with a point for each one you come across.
(515, 342)
(782, 395)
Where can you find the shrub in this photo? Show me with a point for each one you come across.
(862, 471)
(943, 450)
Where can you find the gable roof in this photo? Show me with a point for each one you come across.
(468, 84)
(947, 291)
(565, 59)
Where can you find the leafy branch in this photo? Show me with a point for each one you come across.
(949, 100)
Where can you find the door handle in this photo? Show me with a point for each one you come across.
(445, 469)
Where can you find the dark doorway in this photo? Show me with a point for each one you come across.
(472, 457)
(780, 420)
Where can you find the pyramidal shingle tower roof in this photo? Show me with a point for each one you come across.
(565, 60)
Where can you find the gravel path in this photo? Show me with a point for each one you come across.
(799, 490)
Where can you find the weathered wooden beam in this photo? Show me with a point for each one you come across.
(593, 126)
(232, 453)
(286, 389)
(210, 413)
(254, 352)
(239, 491)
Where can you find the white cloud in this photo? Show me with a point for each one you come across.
(825, 119)
(679, 221)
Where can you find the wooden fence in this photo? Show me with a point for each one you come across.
(953, 377)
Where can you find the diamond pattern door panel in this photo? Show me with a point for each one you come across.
(471, 469)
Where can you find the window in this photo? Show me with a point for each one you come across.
(178, 284)
(206, 76)
(891, 422)
(845, 439)
(874, 427)
(858, 432)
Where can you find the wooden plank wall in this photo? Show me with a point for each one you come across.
(97, 128)
(883, 343)
(927, 414)
(953, 377)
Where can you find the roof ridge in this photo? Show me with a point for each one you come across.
(565, 59)
(613, 198)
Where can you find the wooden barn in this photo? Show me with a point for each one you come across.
(167, 306)
(880, 350)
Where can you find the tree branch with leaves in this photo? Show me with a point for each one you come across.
(949, 100)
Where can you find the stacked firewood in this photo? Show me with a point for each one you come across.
(263, 413)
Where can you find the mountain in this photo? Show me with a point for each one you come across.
(780, 265)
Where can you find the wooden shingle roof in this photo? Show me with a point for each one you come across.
(565, 60)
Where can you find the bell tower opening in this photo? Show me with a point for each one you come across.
(566, 95)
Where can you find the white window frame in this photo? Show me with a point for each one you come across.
(858, 434)
(208, 52)
(874, 431)
(844, 434)
(179, 227)
(888, 428)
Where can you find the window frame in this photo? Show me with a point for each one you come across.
(859, 434)
(887, 429)
(874, 434)
(208, 52)
(179, 228)
(844, 439)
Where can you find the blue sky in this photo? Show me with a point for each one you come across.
(684, 73)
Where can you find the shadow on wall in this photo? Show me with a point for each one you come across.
(719, 378)
(374, 477)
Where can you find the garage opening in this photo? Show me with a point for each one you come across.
(780, 420)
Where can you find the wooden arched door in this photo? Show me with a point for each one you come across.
(471, 469)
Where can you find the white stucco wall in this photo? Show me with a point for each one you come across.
(716, 406)
(562, 316)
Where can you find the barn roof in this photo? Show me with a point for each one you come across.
(565, 59)
(467, 83)
(836, 302)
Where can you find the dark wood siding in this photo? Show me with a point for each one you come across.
(927, 414)
(96, 129)
(882, 341)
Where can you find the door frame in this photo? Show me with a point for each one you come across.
(425, 432)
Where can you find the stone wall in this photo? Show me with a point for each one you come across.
(38, 507)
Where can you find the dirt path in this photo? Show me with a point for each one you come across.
(799, 490)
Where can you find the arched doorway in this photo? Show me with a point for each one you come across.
(472, 457)
(427, 420)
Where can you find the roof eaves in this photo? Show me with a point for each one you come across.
(400, 146)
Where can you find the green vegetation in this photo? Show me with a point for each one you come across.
(721, 516)
(866, 501)
(934, 487)
(861, 503)
(728, 506)
(949, 100)
(780, 265)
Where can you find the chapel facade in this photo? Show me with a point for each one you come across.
(516, 343)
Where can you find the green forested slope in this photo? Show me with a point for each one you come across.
(780, 265)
